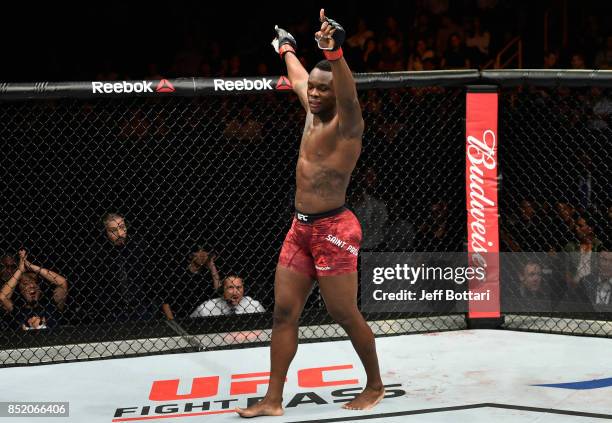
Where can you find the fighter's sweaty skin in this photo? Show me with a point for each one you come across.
(324, 166)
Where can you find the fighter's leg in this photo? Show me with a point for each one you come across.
(340, 295)
(291, 290)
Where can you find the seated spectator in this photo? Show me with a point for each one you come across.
(359, 38)
(563, 224)
(601, 117)
(478, 41)
(191, 283)
(436, 233)
(529, 290)
(124, 283)
(531, 280)
(420, 54)
(581, 262)
(577, 61)
(603, 58)
(400, 232)
(598, 285)
(391, 55)
(370, 211)
(370, 56)
(525, 230)
(231, 301)
(32, 309)
(551, 60)
(456, 56)
(8, 267)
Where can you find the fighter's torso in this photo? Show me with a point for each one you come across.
(324, 166)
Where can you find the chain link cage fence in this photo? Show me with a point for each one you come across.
(130, 210)
(137, 213)
(556, 208)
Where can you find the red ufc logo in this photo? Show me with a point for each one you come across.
(245, 383)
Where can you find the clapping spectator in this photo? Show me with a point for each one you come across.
(231, 301)
(32, 310)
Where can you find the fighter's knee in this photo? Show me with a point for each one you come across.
(344, 318)
(284, 316)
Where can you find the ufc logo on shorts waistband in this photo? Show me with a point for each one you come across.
(302, 217)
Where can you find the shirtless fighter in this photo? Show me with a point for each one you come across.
(324, 239)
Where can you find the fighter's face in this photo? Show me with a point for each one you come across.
(321, 96)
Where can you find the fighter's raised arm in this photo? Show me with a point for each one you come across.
(298, 76)
(329, 39)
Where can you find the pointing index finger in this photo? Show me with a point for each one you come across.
(322, 15)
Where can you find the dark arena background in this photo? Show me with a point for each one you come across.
(485, 120)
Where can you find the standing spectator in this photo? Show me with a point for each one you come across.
(32, 309)
(231, 301)
(191, 284)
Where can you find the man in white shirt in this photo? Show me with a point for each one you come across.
(231, 301)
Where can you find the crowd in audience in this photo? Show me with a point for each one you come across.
(434, 36)
(124, 286)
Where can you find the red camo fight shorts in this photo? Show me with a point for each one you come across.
(326, 247)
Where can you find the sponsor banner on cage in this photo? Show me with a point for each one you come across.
(130, 88)
(481, 196)
(420, 282)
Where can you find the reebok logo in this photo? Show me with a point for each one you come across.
(164, 86)
(243, 85)
(283, 83)
(121, 87)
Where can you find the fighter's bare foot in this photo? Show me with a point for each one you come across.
(262, 408)
(367, 399)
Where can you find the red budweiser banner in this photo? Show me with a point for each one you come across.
(481, 200)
